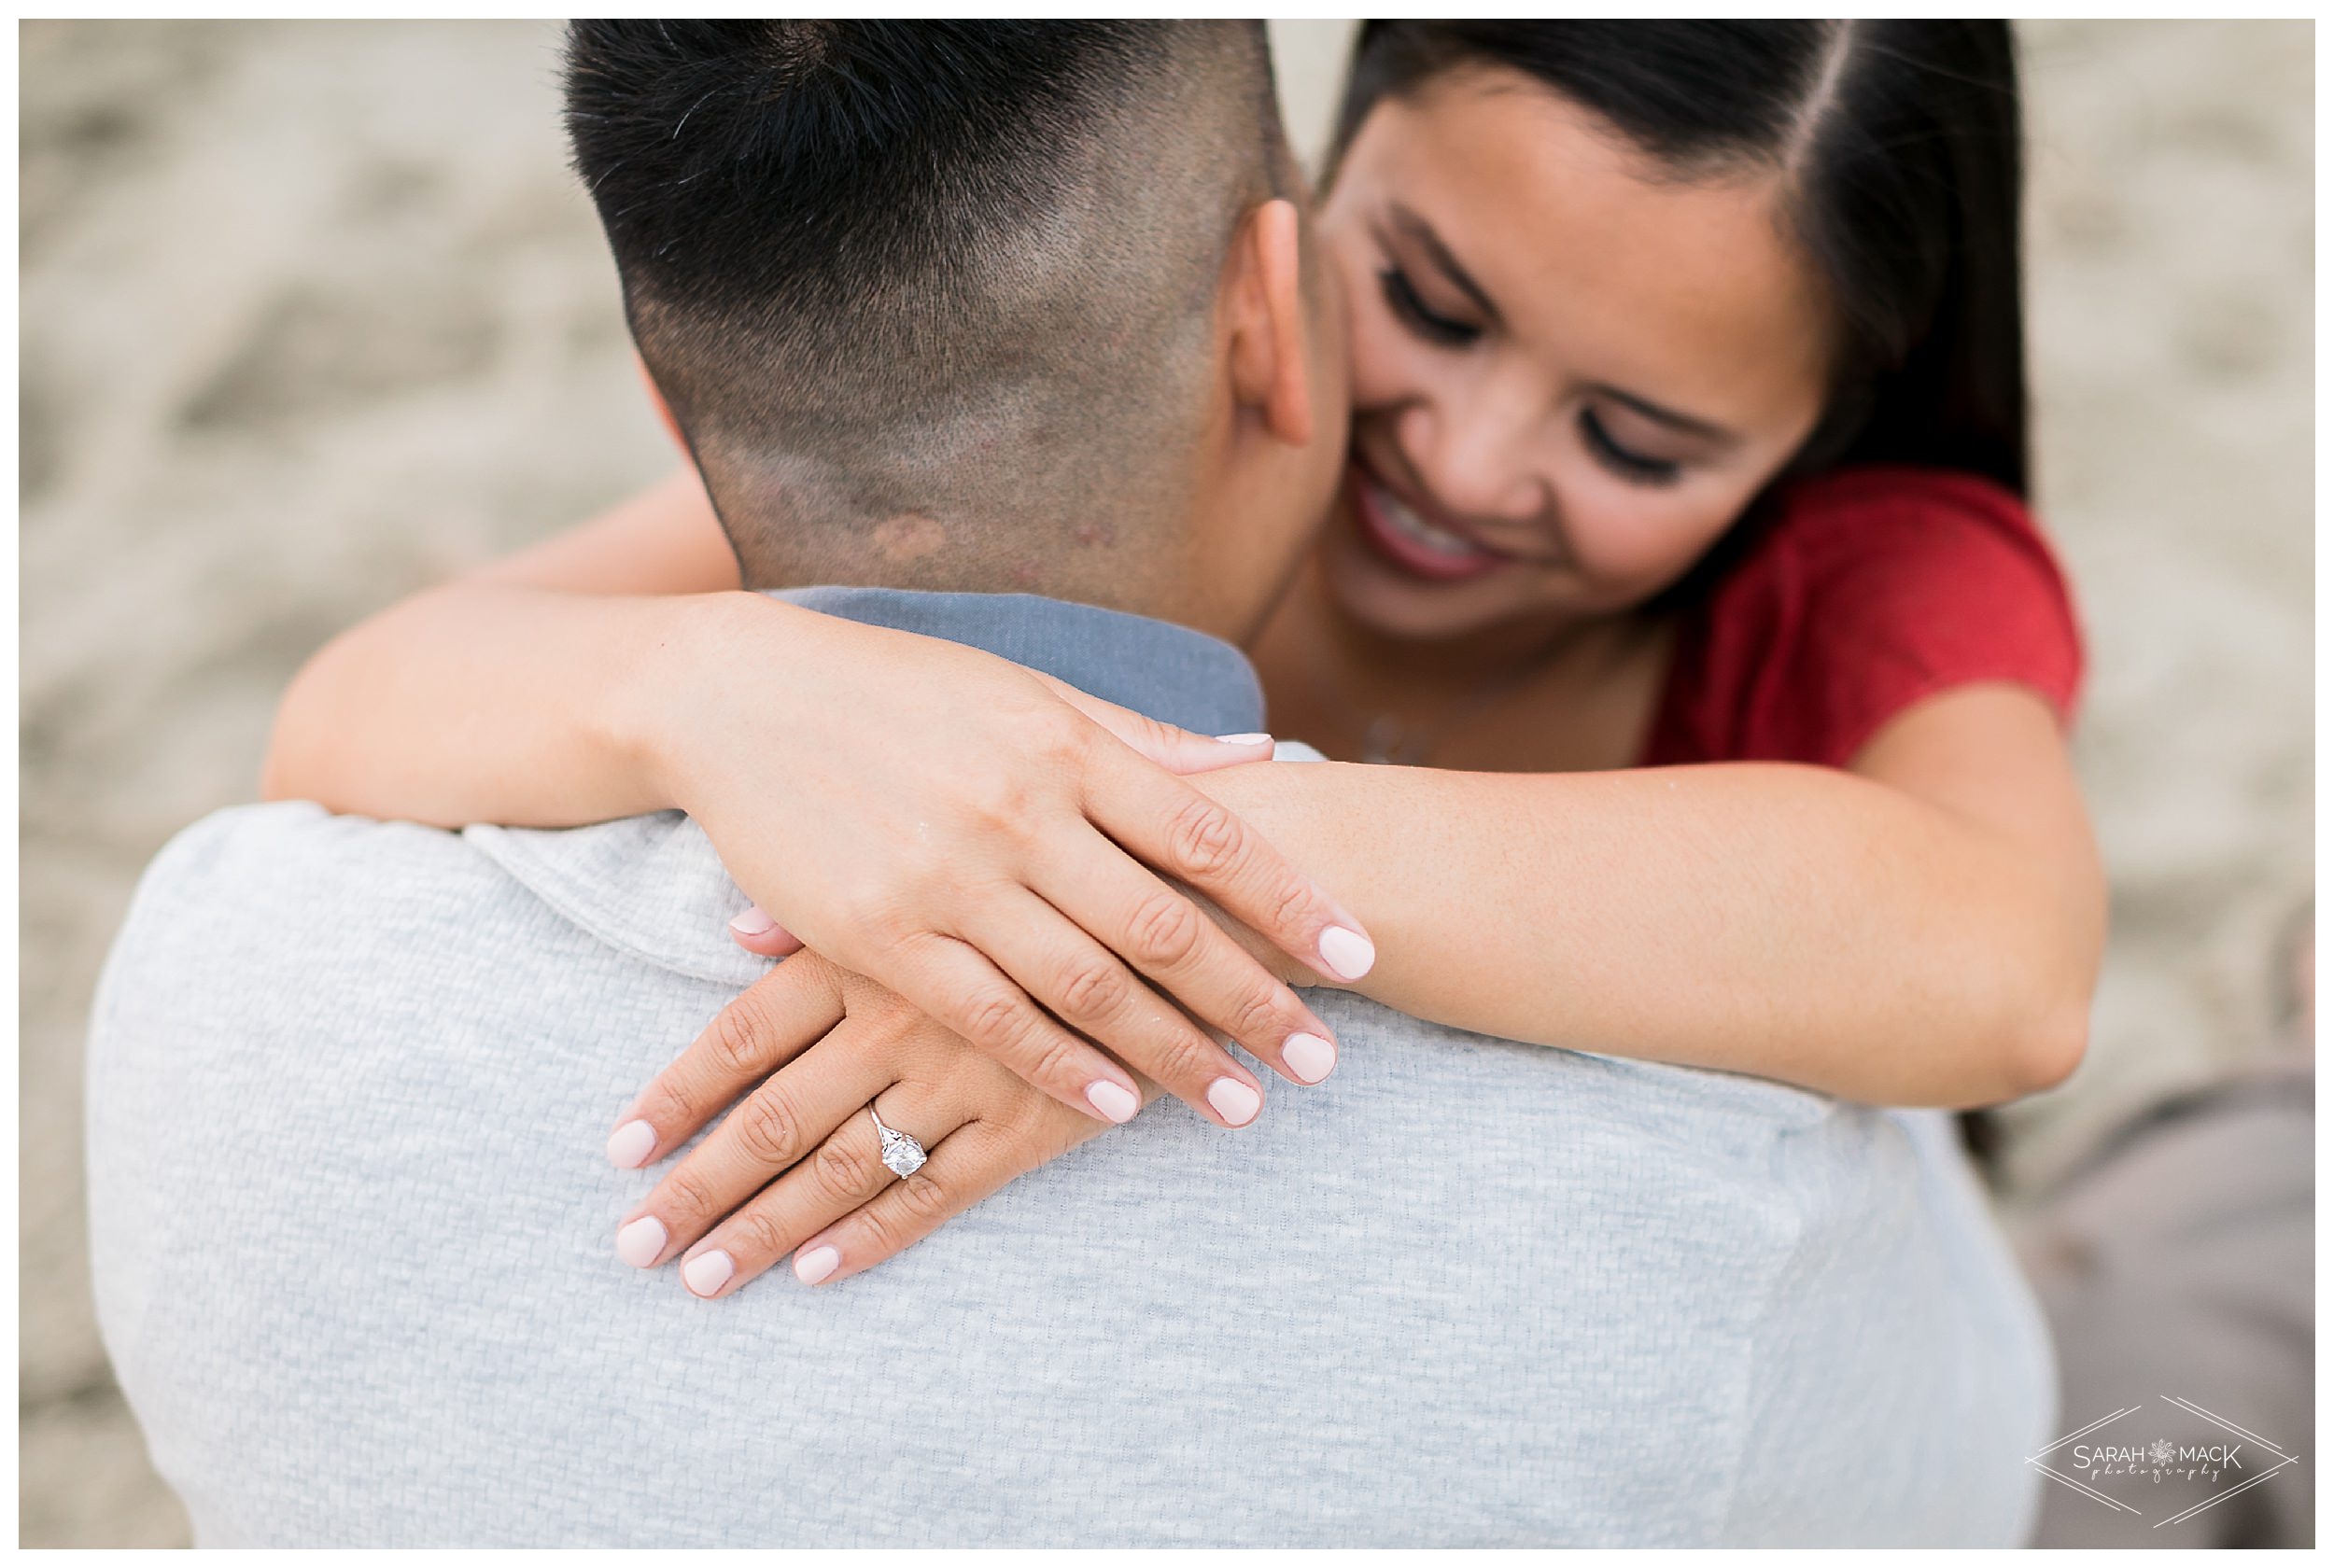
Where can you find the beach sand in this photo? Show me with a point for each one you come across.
(313, 314)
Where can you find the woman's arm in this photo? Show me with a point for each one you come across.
(1923, 930)
(541, 692)
(511, 694)
(1920, 930)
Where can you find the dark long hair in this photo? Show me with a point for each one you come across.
(1898, 147)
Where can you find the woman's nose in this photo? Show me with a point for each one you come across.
(1477, 463)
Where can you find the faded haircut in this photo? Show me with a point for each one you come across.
(931, 301)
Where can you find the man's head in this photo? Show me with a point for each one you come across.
(990, 306)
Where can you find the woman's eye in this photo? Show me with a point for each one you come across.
(1631, 466)
(1405, 303)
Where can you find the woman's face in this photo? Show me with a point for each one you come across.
(1570, 374)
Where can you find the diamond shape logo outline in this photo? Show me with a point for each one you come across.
(2192, 1408)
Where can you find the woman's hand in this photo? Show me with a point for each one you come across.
(991, 845)
(800, 1154)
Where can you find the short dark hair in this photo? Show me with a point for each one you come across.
(1899, 144)
(956, 272)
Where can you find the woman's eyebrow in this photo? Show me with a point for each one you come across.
(1422, 233)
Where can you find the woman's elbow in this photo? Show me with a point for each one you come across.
(280, 774)
(2051, 1043)
(290, 769)
(2055, 975)
(2011, 1055)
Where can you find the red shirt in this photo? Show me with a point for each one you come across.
(1857, 594)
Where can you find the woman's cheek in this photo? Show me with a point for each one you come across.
(1363, 314)
(1633, 550)
(1385, 367)
(1386, 364)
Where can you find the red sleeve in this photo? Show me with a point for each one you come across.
(1861, 593)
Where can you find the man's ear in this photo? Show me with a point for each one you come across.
(664, 409)
(1270, 371)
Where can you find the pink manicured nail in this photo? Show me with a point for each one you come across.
(638, 1243)
(707, 1272)
(1114, 1101)
(1235, 1101)
(1309, 1056)
(1348, 953)
(629, 1145)
(1245, 739)
(816, 1264)
(752, 922)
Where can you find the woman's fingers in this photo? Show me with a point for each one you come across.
(796, 1111)
(756, 932)
(767, 1025)
(1165, 935)
(979, 1158)
(845, 1172)
(1176, 749)
(961, 987)
(1178, 831)
(1089, 989)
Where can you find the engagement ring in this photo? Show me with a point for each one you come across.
(902, 1155)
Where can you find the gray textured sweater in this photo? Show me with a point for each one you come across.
(352, 1232)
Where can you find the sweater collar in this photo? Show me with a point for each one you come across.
(1155, 667)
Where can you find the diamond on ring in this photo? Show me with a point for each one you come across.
(902, 1155)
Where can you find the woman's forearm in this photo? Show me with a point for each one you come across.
(909, 807)
(1797, 923)
(491, 702)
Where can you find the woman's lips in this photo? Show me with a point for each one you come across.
(1412, 542)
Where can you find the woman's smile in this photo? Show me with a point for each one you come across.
(1410, 531)
(1408, 540)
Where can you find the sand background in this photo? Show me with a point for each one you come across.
(312, 315)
